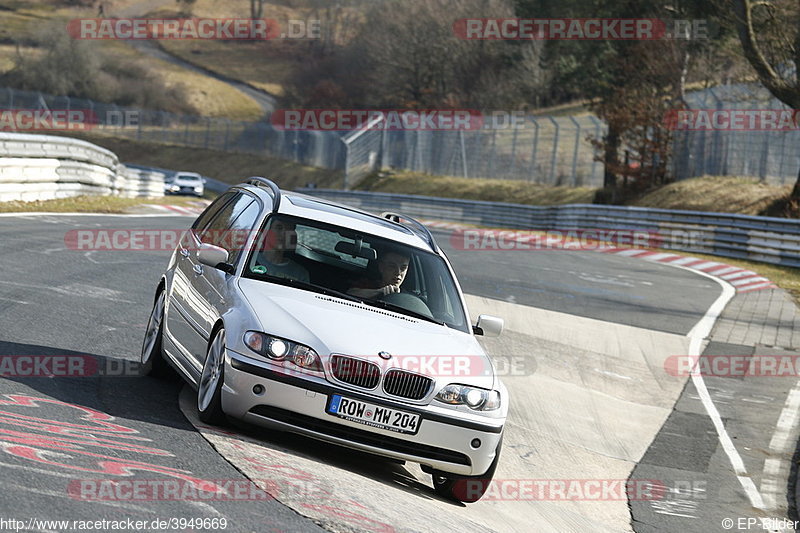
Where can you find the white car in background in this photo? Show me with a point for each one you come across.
(289, 344)
(185, 183)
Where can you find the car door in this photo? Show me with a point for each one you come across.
(202, 296)
(181, 327)
(212, 284)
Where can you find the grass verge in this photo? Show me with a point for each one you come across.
(746, 196)
(90, 204)
(493, 190)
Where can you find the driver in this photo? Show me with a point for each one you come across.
(392, 267)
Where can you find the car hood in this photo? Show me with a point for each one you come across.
(333, 325)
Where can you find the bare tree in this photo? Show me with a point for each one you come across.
(186, 7)
(256, 9)
(414, 58)
(635, 111)
(770, 36)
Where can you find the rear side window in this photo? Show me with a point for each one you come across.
(224, 219)
(239, 231)
(206, 216)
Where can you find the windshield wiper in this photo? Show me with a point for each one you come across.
(309, 286)
(402, 310)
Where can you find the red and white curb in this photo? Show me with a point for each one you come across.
(741, 279)
(181, 210)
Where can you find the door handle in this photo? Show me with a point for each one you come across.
(198, 269)
(184, 252)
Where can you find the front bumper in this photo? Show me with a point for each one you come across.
(296, 403)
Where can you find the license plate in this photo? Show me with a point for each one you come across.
(373, 415)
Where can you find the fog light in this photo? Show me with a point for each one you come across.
(258, 390)
(476, 443)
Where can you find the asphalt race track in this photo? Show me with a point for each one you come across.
(583, 355)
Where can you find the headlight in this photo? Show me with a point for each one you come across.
(283, 350)
(473, 397)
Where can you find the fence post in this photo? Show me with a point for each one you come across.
(554, 157)
(346, 187)
(463, 153)
(417, 150)
(782, 157)
(384, 147)
(490, 172)
(535, 147)
(575, 151)
(514, 151)
(597, 135)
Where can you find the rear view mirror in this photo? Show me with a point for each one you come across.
(356, 249)
(488, 326)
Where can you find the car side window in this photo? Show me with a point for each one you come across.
(239, 231)
(225, 218)
(206, 216)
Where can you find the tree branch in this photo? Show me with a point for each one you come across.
(777, 85)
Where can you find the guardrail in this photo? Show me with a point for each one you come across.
(762, 239)
(43, 167)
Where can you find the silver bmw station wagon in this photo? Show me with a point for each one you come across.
(308, 316)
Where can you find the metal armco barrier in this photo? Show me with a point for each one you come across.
(763, 239)
(44, 167)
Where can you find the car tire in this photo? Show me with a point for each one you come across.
(466, 489)
(209, 389)
(152, 362)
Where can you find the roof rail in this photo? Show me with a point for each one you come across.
(259, 181)
(416, 224)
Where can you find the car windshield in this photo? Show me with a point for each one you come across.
(342, 262)
(184, 177)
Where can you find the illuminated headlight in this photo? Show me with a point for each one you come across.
(473, 397)
(283, 350)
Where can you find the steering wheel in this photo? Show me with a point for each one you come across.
(408, 301)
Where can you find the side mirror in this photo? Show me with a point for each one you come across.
(215, 257)
(488, 326)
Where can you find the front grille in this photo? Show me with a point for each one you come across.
(355, 371)
(406, 385)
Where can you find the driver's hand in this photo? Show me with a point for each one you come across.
(389, 289)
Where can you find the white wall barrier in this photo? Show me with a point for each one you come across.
(44, 167)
